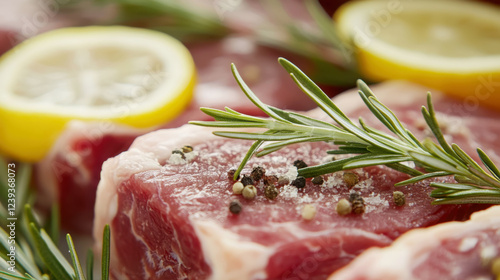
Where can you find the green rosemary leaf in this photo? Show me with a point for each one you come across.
(277, 136)
(53, 259)
(23, 261)
(392, 121)
(371, 160)
(305, 120)
(327, 26)
(452, 186)
(434, 162)
(53, 225)
(228, 123)
(438, 152)
(248, 92)
(74, 258)
(430, 118)
(404, 168)
(106, 241)
(23, 179)
(367, 99)
(488, 163)
(229, 115)
(472, 195)
(322, 100)
(90, 265)
(325, 168)
(368, 146)
(9, 276)
(466, 159)
(247, 157)
(487, 180)
(278, 145)
(422, 177)
(348, 150)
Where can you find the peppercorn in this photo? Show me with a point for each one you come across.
(257, 173)
(357, 203)
(249, 192)
(318, 180)
(271, 180)
(283, 181)
(238, 188)
(235, 207)
(399, 198)
(187, 149)
(246, 180)
(230, 174)
(299, 164)
(299, 182)
(308, 212)
(343, 207)
(350, 179)
(179, 152)
(271, 192)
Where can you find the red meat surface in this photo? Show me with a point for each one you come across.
(458, 250)
(170, 219)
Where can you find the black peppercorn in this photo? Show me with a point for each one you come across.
(257, 173)
(299, 182)
(357, 202)
(299, 164)
(246, 180)
(235, 207)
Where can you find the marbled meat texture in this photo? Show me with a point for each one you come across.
(170, 218)
(456, 250)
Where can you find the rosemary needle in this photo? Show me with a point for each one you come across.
(370, 146)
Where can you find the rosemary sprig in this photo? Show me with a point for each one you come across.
(366, 145)
(34, 250)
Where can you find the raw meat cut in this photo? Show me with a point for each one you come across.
(170, 219)
(455, 250)
(216, 87)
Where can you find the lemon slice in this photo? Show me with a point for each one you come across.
(126, 75)
(453, 46)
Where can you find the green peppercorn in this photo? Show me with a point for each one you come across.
(318, 180)
(271, 192)
(351, 179)
(399, 198)
(187, 149)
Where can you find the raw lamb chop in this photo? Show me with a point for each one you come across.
(170, 218)
(455, 250)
